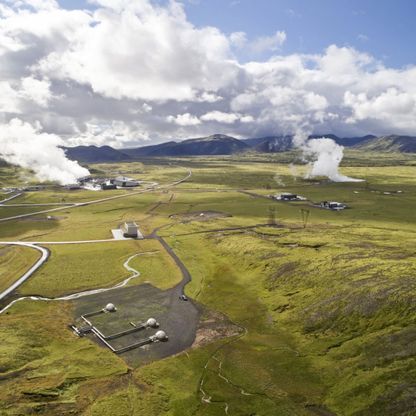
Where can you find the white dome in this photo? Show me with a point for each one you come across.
(110, 307)
(161, 335)
(151, 322)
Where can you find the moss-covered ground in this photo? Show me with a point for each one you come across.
(326, 307)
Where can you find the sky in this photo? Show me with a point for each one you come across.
(135, 72)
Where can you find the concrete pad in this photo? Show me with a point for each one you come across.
(118, 235)
(136, 304)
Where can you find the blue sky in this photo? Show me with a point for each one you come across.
(142, 71)
(383, 28)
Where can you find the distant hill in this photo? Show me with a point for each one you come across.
(393, 143)
(271, 144)
(274, 144)
(94, 154)
(353, 141)
(220, 144)
(151, 150)
(217, 144)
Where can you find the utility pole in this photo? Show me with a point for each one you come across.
(272, 216)
(305, 216)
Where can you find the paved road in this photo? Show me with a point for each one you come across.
(45, 252)
(78, 295)
(11, 197)
(22, 279)
(97, 201)
(64, 204)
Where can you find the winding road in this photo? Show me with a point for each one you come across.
(45, 252)
(44, 257)
(135, 273)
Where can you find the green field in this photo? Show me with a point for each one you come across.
(14, 261)
(325, 307)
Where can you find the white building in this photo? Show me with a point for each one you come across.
(125, 182)
(285, 196)
(335, 206)
(130, 229)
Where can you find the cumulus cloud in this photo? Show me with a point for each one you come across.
(268, 43)
(127, 71)
(394, 106)
(184, 120)
(226, 118)
(27, 146)
(220, 117)
(115, 134)
(137, 50)
(14, 96)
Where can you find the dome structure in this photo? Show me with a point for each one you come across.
(152, 323)
(110, 307)
(161, 336)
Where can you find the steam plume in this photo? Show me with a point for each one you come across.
(25, 145)
(327, 155)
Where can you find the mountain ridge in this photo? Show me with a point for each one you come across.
(221, 144)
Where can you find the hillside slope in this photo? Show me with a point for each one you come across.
(392, 143)
(217, 144)
(94, 154)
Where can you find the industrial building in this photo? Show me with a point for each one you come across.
(335, 206)
(130, 229)
(285, 196)
(108, 185)
(125, 182)
(72, 187)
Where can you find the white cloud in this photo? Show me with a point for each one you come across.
(226, 118)
(116, 56)
(184, 120)
(115, 134)
(9, 98)
(268, 43)
(13, 96)
(238, 39)
(129, 70)
(220, 117)
(36, 90)
(390, 106)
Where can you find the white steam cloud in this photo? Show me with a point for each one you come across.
(327, 155)
(25, 145)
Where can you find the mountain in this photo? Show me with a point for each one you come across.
(353, 141)
(220, 144)
(392, 143)
(271, 144)
(150, 150)
(274, 144)
(94, 154)
(217, 144)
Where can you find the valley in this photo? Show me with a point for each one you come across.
(296, 316)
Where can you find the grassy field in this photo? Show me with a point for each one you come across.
(15, 261)
(326, 312)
